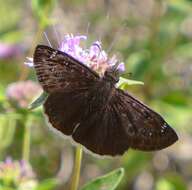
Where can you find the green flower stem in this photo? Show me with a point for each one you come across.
(26, 140)
(77, 168)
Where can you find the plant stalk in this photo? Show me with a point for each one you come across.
(26, 140)
(77, 168)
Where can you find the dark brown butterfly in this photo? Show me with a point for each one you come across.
(90, 109)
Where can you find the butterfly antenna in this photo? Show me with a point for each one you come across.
(116, 38)
(47, 39)
(87, 31)
(103, 34)
(57, 35)
(88, 27)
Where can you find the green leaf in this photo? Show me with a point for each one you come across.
(39, 101)
(124, 83)
(48, 184)
(107, 182)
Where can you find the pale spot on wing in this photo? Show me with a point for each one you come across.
(53, 54)
(75, 128)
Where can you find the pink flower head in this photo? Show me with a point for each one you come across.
(94, 56)
(9, 50)
(23, 92)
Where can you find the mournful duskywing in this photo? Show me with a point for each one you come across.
(90, 109)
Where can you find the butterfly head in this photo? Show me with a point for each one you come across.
(112, 74)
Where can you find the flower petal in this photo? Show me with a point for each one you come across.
(121, 67)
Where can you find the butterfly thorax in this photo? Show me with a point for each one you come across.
(101, 93)
(104, 89)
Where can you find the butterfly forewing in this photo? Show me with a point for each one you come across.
(57, 71)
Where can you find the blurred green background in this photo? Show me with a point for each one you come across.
(153, 38)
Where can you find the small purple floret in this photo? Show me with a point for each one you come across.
(121, 67)
(23, 92)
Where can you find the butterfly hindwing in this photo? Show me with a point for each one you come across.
(124, 122)
(100, 130)
(100, 133)
(145, 129)
(64, 110)
(57, 70)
